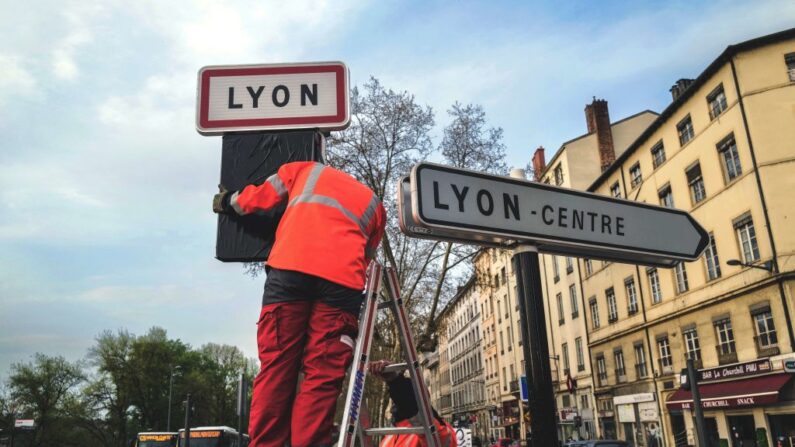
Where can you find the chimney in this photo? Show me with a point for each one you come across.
(598, 119)
(680, 87)
(539, 163)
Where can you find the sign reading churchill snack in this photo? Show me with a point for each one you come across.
(556, 220)
(272, 97)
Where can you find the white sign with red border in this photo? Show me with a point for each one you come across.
(245, 98)
(24, 423)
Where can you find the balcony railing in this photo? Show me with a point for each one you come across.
(725, 358)
(666, 369)
(621, 377)
(641, 370)
(768, 350)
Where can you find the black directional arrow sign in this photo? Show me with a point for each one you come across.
(475, 206)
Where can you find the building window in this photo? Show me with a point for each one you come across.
(588, 267)
(584, 401)
(711, 259)
(692, 347)
(615, 190)
(746, 235)
(685, 130)
(666, 361)
(569, 264)
(612, 308)
(580, 356)
(658, 154)
(601, 370)
(632, 295)
(696, 183)
(765, 329)
(497, 281)
(594, 312)
(555, 271)
(564, 349)
(680, 272)
(558, 175)
(725, 336)
(730, 158)
(561, 319)
(666, 196)
(789, 59)
(717, 102)
(503, 278)
(635, 175)
(654, 285)
(621, 371)
(575, 310)
(640, 361)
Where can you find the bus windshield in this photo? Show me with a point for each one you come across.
(211, 438)
(157, 440)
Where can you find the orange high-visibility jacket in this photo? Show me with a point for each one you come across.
(446, 436)
(331, 227)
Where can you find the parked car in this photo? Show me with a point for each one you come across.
(597, 443)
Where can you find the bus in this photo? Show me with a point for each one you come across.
(221, 436)
(156, 439)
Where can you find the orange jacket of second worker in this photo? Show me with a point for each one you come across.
(446, 436)
(332, 225)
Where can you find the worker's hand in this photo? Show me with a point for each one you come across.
(221, 201)
(377, 369)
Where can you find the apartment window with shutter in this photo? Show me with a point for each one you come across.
(558, 175)
(654, 285)
(565, 352)
(621, 370)
(569, 264)
(717, 102)
(658, 154)
(664, 348)
(555, 271)
(635, 175)
(615, 190)
(746, 235)
(765, 329)
(685, 130)
(588, 267)
(692, 346)
(711, 260)
(601, 370)
(696, 183)
(725, 336)
(594, 312)
(730, 158)
(680, 273)
(575, 310)
(612, 308)
(632, 295)
(640, 360)
(580, 355)
(561, 318)
(789, 59)
(666, 196)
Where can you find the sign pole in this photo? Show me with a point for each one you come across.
(540, 399)
(187, 420)
(697, 410)
(241, 406)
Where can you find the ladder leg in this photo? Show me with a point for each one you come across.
(407, 342)
(361, 352)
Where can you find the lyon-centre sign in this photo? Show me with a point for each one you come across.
(243, 98)
(557, 220)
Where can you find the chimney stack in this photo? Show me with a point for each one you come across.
(680, 87)
(539, 163)
(597, 118)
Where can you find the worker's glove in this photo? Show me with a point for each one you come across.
(377, 369)
(221, 201)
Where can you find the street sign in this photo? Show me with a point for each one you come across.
(24, 423)
(523, 393)
(789, 366)
(557, 220)
(242, 98)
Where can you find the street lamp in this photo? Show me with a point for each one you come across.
(170, 388)
(767, 265)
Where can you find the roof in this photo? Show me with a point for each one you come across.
(672, 108)
(566, 143)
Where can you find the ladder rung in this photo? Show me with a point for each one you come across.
(394, 431)
(396, 367)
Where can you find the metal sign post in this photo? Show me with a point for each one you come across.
(698, 412)
(187, 421)
(241, 406)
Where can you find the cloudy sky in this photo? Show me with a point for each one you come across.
(105, 186)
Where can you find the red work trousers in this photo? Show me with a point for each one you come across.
(292, 336)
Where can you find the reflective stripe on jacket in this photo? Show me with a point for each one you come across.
(332, 225)
(446, 436)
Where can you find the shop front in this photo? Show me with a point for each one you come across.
(743, 404)
(639, 419)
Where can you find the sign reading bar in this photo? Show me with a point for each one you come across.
(556, 220)
(239, 98)
(752, 368)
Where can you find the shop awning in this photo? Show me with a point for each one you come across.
(736, 393)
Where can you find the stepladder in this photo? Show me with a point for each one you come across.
(356, 419)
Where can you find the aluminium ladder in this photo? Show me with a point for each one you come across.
(355, 419)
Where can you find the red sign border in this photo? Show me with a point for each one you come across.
(334, 122)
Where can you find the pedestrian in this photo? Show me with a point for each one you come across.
(405, 411)
(329, 232)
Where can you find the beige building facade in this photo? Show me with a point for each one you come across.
(724, 150)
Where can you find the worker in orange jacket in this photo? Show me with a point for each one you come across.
(405, 411)
(330, 230)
